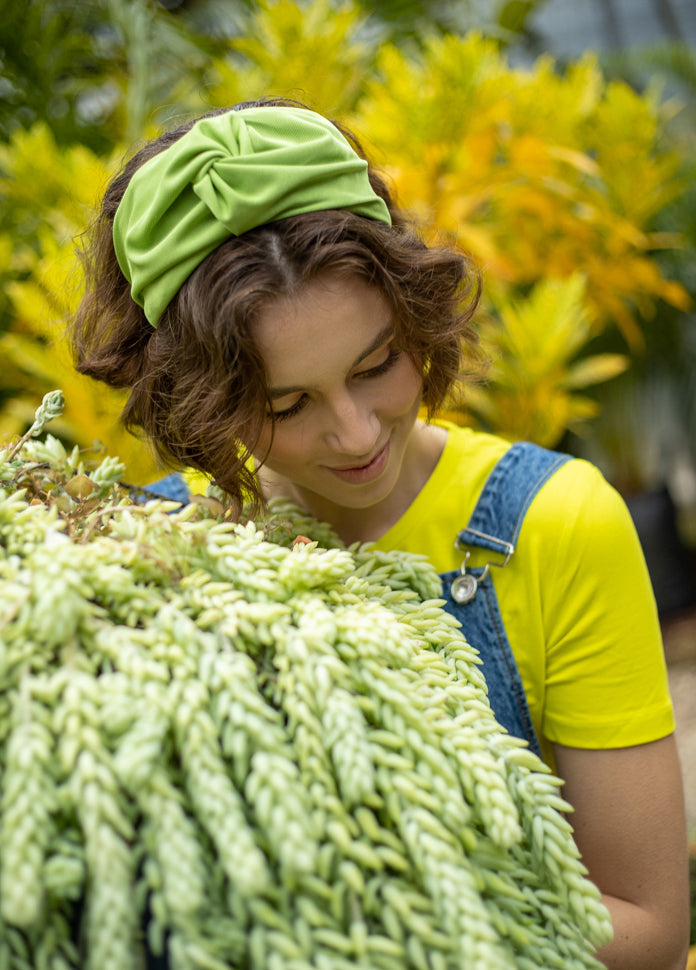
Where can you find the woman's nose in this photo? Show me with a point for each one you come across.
(354, 427)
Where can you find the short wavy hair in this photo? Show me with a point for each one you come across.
(197, 386)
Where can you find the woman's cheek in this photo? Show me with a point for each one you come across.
(289, 443)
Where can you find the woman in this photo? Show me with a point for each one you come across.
(280, 326)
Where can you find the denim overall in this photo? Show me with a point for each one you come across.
(470, 595)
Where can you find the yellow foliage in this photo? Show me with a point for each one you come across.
(57, 186)
(34, 358)
(310, 52)
(43, 288)
(535, 376)
(536, 174)
(550, 179)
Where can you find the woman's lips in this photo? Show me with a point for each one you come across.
(364, 473)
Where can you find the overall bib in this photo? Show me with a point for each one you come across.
(470, 594)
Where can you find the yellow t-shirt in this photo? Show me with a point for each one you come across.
(575, 598)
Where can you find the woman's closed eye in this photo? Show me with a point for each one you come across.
(291, 411)
(382, 368)
(371, 372)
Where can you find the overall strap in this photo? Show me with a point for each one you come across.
(470, 595)
(497, 518)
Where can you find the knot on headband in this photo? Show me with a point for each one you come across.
(230, 173)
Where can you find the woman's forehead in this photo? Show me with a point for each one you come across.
(332, 320)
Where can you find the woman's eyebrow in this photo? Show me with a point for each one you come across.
(386, 334)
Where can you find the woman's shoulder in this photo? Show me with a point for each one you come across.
(471, 455)
(575, 506)
(575, 509)
(578, 497)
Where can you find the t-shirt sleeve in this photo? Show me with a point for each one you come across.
(606, 678)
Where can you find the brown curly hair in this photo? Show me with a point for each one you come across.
(197, 383)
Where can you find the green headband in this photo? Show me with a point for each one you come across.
(226, 175)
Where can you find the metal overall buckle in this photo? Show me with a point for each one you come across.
(465, 586)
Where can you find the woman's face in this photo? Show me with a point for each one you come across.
(344, 396)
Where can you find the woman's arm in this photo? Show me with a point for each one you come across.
(630, 827)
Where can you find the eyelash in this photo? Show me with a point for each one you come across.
(377, 371)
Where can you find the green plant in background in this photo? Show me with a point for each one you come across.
(92, 70)
(49, 61)
(161, 63)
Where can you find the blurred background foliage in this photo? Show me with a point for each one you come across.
(571, 184)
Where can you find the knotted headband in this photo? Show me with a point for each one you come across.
(230, 173)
